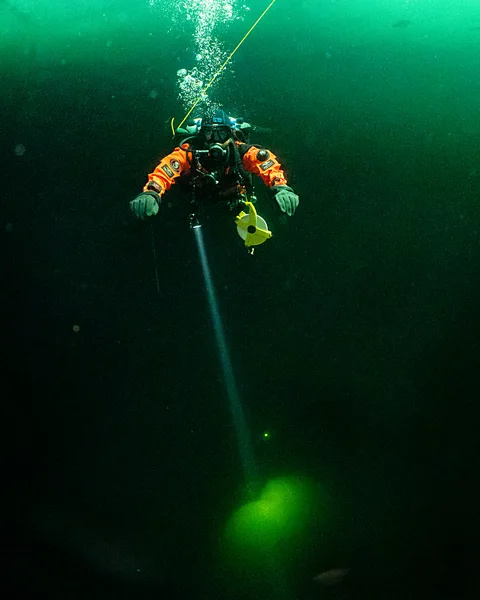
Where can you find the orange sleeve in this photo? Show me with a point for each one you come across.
(267, 166)
(169, 168)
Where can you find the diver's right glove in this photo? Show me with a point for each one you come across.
(146, 204)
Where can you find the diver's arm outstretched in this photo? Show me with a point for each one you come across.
(264, 163)
(160, 180)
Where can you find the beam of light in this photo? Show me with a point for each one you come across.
(235, 403)
(257, 535)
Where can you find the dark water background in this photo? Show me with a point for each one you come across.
(354, 333)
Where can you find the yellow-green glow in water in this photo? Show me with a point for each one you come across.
(283, 510)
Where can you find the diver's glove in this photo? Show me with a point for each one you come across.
(146, 204)
(286, 199)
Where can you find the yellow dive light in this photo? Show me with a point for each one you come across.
(252, 228)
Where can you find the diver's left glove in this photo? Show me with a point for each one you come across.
(286, 199)
(146, 204)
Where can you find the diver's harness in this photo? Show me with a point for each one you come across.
(250, 227)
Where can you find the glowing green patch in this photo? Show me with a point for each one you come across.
(282, 511)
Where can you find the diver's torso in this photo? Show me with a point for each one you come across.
(215, 187)
(211, 183)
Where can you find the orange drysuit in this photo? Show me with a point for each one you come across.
(254, 160)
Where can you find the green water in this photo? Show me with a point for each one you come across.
(353, 332)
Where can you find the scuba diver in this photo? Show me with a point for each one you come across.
(214, 157)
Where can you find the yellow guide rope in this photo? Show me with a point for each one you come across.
(222, 67)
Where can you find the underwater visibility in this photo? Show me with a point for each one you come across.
(240, 297)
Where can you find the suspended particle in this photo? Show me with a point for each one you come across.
(20, 150)
(76, 328)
